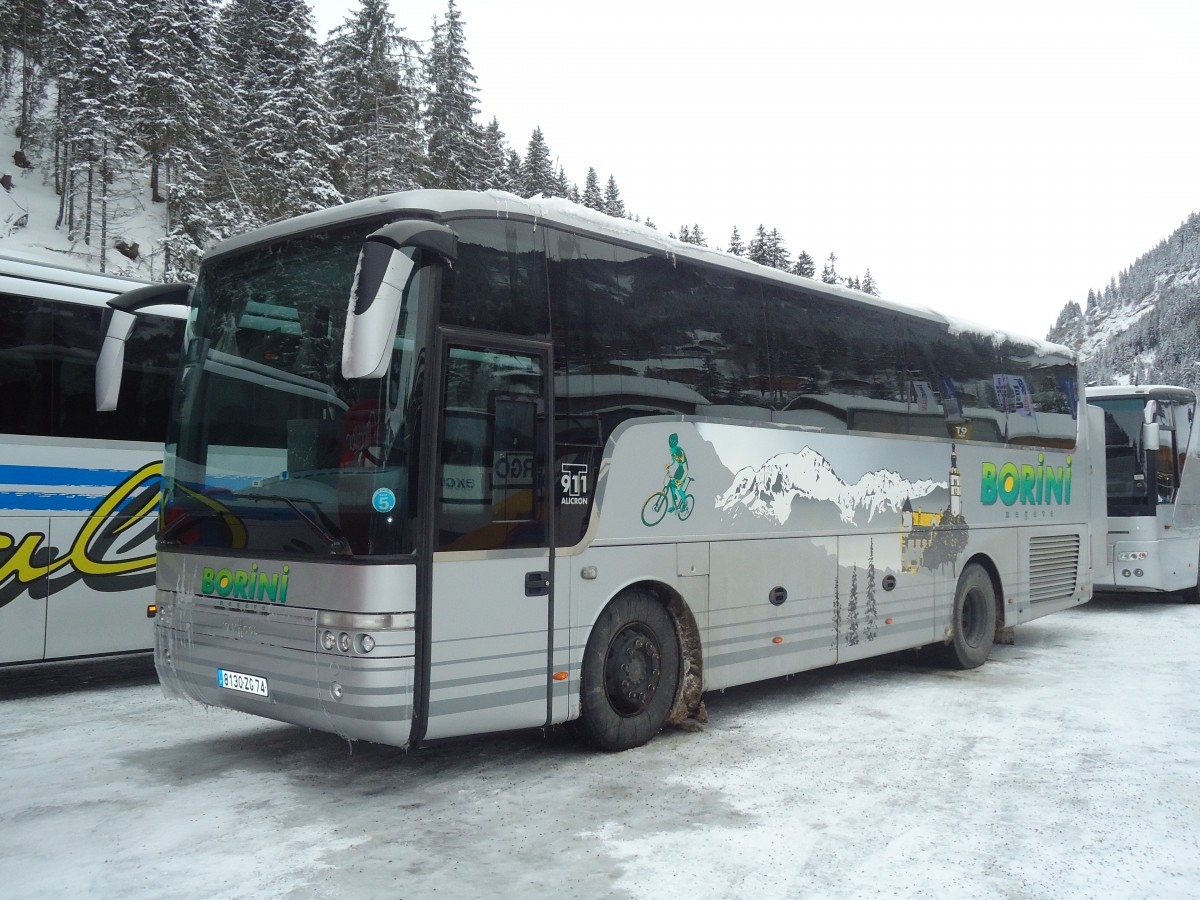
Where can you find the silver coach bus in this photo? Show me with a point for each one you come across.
(445, 463)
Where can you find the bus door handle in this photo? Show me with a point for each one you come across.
(537, 584)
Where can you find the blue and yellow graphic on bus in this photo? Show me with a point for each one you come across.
(121, 521)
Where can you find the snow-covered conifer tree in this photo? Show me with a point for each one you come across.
(497, 172)
(869, 285)
(371, 74)
(454, 157)
(613, 204)
(777, 253)
(593, 197)
(829, 274)
(736, 247)
(94, 117)
(289, 154)
(537, 176)
(757, 251)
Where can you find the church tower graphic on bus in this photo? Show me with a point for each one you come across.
(933, 539)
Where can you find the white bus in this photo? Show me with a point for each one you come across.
(445, 463)
(1153, 536)
(79, 492)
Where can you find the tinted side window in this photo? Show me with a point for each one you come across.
(76, 341)
(27, 358)
(48, 358)
(499, 280)
(999, 391)
(148, 383)
(840, 365)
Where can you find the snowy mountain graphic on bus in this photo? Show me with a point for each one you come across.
(770, 490)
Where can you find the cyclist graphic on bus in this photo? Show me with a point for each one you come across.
(674, 496)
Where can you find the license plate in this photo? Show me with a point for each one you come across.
(247, 684)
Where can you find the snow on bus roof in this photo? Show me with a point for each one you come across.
(1138, 390)
(560, 211)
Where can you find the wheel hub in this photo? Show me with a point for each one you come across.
(633, 670)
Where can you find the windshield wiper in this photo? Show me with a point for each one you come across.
(338, 546)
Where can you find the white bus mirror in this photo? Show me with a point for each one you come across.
(1150, 437)
(111, 362)
(378, 293)
(124, 308)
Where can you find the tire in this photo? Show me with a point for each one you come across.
(654, 509)
(630, 673)
(974, 622)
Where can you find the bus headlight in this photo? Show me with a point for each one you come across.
(344, 642)
(327, 640)
(366, 643)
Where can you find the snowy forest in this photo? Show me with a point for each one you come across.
(213, 118)
(1143, 327)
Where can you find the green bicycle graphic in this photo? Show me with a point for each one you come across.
(674, 496)
(658, 504)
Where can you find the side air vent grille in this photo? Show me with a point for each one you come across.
(1053, 567)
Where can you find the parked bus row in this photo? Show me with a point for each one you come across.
(444, 463)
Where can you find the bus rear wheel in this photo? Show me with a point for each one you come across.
(630, 673)
(974, 622)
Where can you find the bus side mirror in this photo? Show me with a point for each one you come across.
(1150, 436)
(121, 317)
(377, 297)
(111, 362)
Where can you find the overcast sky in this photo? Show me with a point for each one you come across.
(990, 160)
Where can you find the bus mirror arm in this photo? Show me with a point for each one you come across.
(383, 273)
(111, 361)
(121, 317)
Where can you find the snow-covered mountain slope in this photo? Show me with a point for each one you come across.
(31, 226)
(770, 490)
(1144, 327)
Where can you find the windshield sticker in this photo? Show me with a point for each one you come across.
(384, 500)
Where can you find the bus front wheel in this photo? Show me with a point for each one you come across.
(630, 673)
(974, 622)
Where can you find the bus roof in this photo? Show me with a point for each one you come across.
(58, 282)
(1145, 391)
(440, 205)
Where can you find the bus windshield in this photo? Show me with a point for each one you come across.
(1124, 463)
(270, 449)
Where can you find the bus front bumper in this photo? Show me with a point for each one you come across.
(275, 662)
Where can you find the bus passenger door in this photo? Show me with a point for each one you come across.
(490, 585)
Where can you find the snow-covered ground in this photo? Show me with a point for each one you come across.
(1068, 766)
